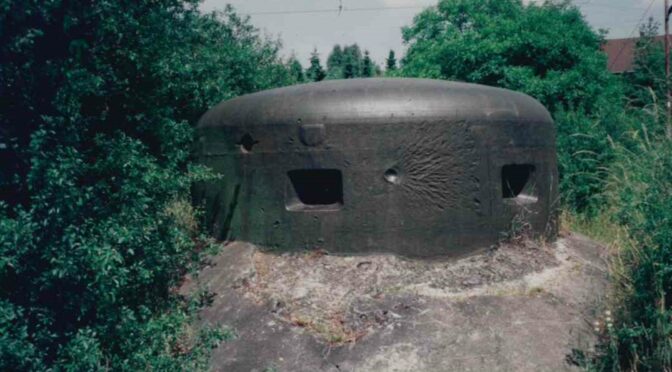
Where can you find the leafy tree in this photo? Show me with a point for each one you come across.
(315, 72)
(391, 62)
(97, 231)
(547, 51)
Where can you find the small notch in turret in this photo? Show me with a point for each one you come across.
(246, 143)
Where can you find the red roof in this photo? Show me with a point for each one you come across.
(621, 53)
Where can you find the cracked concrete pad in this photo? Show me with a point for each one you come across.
(520, 307)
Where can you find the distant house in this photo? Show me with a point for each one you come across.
(621, 53)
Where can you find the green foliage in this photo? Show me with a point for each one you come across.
(584, 154)
(391, 62)
(646, 82)
(351, 65)
(547, 51)
(348, 62)
(638, 199)
(315, 72)
(335, 61)
(97, 104)
(368, 67)
(296, 70)
(641, 198)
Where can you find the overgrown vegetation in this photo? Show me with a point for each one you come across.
(639, 196)
(639, 202)
(95, 233)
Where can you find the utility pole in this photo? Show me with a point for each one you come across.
(668, 103)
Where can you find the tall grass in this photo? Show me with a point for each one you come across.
(637, 223)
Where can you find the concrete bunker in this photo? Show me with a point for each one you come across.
(410, 166)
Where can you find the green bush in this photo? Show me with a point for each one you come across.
(98, 98)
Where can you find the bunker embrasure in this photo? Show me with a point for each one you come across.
(410, 166)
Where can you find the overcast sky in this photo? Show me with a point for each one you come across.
(379, 30)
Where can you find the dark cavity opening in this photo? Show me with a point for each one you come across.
(314, 190)
(247, 142)
(515, 179)
(392, 176)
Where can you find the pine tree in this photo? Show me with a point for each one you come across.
(315, 72)
(391, 62)
(347, 62)
(335, 60)
(368, 68)
(296, 70)
(352, 62)
(335, 63)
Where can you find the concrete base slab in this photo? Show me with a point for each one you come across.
(523, 306)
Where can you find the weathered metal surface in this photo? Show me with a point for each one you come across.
(410, 166)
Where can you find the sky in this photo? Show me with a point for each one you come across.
(305, 25)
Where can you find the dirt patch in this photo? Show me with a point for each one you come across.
(520, 307)
(342, 299)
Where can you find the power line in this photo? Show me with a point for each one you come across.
(591, 5)
(342, 9)
(632, 33)
(336, 10)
